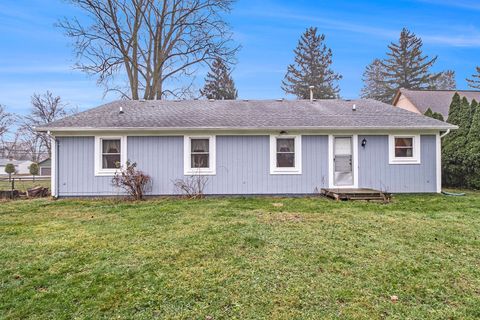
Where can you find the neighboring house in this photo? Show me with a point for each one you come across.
(21, 166)
(437, 100)
(45, 167)
(248, 147)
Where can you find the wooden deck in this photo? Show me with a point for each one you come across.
(356, 194)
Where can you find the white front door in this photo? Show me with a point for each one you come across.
(343, 162)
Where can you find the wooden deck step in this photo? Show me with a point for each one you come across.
(356, 194)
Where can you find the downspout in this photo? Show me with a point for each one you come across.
(439, 160)
(446, 132)
(56, 163)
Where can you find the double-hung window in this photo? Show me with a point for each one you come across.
(110, 154)
(199, 155)
(285, 154)
(404, 149)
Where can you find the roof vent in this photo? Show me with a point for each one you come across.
(211, 100)
(354, 107)
(311, 92)
(280, 100)
(121, 110)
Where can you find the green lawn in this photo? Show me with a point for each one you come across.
(236, 258)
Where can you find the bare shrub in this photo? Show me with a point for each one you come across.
(192, 187)
(133, 181)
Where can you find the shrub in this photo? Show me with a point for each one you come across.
(34, 169)
(10, 169)
(132, 180)
(192, 187)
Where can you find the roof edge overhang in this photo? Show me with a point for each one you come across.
(242, 129)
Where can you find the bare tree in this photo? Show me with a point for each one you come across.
(6, 120)
(152, 43)
(46, 108)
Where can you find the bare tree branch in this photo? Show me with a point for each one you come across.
(154, 44)
(46, 108)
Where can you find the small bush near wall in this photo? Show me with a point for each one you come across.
(133, 181)
(192, 187)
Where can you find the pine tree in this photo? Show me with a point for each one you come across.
(473, 149)
(374, 82)
(474, 81)
(406, 66)
(454, 150)
(219, 84)
(312, 67)
(444, 81)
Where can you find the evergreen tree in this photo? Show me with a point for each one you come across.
(405, 66)
(312, 67)
(473, 149)
(444, 81)
(219, 84)
(374, 82)
(434, 115)
(454, 150)
(474, 81)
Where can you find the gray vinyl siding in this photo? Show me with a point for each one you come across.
(76, 169)
(242, 166)
(374, 170)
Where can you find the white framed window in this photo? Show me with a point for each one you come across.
(110, 154)
(286, 154)
(404, 149)
(199, 155)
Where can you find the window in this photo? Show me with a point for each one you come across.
(199, 155)
(404, 149)
(110, 154)
(285, 154)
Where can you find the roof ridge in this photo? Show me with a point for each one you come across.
(442, 90)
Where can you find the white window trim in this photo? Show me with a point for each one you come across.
(298, 155)
(99, 171)
(212, 160)
(401, 160)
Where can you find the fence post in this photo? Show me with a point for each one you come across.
(13, 188)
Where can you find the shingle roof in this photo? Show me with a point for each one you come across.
(243, 114)
(436, 100)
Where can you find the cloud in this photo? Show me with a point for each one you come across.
(463, 4)
(35, 68)
(454, 41)
(336, 24)
(457, 36)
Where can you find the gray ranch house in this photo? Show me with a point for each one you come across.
(248, 147)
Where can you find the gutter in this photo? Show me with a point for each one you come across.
(167, 129)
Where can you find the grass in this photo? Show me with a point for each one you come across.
(237, 258)
(23, 185)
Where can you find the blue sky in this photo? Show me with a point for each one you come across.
(35, 56)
